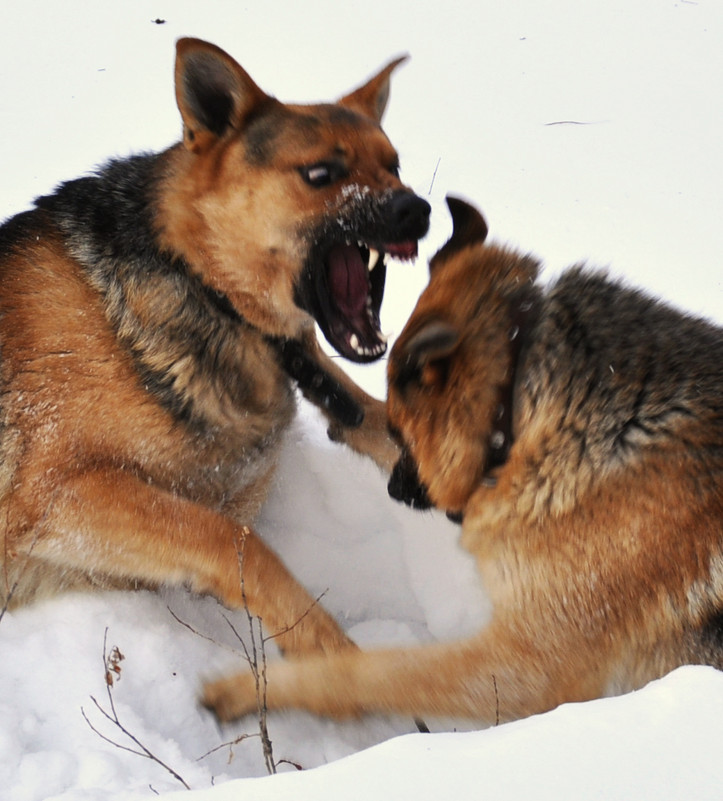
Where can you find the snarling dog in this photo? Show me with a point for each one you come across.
(155, 318)
(577, 430)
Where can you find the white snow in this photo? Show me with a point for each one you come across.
(484, 109)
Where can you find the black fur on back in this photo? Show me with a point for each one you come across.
(629, 367)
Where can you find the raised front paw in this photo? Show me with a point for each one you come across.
(371, 439)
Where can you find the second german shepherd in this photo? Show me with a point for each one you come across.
(153, 320)
(579, 432)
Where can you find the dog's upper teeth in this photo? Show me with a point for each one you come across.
(373, 258)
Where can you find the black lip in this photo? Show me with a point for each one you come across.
(395, 218)
(404, 483)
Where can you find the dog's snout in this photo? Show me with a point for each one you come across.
(408, 212)
(404, 484)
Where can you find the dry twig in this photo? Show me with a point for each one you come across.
(112, 671)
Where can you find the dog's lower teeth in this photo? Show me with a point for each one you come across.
(377, 350)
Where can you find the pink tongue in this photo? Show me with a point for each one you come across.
(348, 280)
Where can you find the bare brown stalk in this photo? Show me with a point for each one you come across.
(229, 745)
(258, 670)
(112, 671)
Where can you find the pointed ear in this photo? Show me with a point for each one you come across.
(214, 94)
(371, 99)
(468, 228)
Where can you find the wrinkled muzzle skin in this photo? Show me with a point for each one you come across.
(342, 284)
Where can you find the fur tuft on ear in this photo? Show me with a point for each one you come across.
(372, 98)
(213, 92)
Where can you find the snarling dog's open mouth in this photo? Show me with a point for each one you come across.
(342, 285)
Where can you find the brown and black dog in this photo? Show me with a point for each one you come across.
(154, 320)
(578, 430)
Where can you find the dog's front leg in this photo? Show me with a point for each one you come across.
(371, 436)
(496, 676)
(113, 524)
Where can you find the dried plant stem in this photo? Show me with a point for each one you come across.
(110, 667)
(256, 658)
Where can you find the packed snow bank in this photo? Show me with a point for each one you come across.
(662, 742)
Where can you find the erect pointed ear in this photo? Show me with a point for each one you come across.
(468, 228)
(424, 357)
(371, 99)
(213, 92)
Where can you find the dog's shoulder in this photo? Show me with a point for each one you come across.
(107, 217)
(194, 354)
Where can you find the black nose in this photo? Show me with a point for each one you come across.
(409, 214)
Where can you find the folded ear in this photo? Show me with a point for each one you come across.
(424, 357)
(371, 99)
(436, 340)
(214, 94)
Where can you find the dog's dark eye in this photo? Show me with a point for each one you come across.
(322, 174)
(394, 170)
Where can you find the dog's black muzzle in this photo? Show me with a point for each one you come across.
(404, 484)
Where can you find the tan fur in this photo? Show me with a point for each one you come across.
(599, 537)
(135, 453)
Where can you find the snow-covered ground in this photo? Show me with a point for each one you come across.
(584, 131)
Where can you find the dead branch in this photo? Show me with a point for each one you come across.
(111, 671)
(251, 657)
(229, 745)
(257, 670)
(298, 620)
